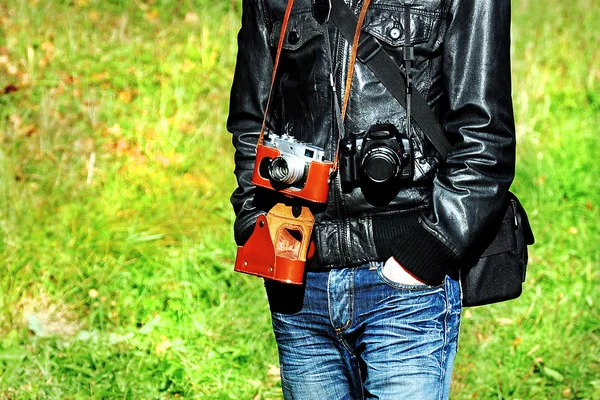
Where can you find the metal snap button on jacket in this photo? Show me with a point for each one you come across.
(293, 37)
(395, 33)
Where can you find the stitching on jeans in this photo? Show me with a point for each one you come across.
(329, 301)
(360, 379)
(354, 358)
(460, 294)
(350, 312)
(406, 287)
(339, 332)
(351, 299)
(330, 307)
(444, 348)
(340, 338)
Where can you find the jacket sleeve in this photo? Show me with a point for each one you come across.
(248, 100)
(471, 186)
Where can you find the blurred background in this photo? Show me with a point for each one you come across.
(116, 248)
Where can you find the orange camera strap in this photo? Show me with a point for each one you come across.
(353, 53)
(348, 85)
(286, 19)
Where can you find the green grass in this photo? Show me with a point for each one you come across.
(115, 225)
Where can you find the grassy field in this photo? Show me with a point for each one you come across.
(116, 248)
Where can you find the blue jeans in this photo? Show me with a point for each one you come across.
(354, 334)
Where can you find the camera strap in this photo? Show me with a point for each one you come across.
(339, 114)
(408, 53)
(286, 19)
(353, 54)
(371, 53)
(339, 118)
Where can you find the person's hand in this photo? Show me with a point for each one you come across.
(395, 272)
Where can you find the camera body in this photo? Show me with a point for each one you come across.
(379, 156)
(295, 168)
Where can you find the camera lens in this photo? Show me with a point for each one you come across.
(288, 170)
(381, 165)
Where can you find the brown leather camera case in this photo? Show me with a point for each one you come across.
(278, 246)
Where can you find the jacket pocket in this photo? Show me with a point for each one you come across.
(386, 22)
(301, 29)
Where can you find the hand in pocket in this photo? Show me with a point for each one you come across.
(398, 274)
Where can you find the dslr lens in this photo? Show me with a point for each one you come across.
(288, 170)
(381, 165)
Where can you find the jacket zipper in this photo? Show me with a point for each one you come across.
(340, 60)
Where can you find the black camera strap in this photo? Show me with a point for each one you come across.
(408, 53)
(372, 54)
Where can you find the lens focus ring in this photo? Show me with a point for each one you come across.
(381, 164)
(288, 170)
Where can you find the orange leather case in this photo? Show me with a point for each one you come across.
(272, 251)
(317, 181)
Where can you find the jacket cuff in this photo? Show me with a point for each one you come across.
(242, 237)
(413, 247)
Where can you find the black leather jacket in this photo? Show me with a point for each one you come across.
(462, 68)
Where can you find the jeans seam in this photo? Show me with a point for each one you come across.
(354, 358)
(351, 300)
(360, 379)
(329, 301)
(329, 306)
(459, 315)
(444, 348)
(340, 331)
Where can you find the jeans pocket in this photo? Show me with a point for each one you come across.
(385, 278)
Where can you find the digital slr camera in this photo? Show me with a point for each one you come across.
(379, 156)
(292, 167)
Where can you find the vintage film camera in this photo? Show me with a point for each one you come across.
(279, 245)
(295, 168)
(380, 156)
